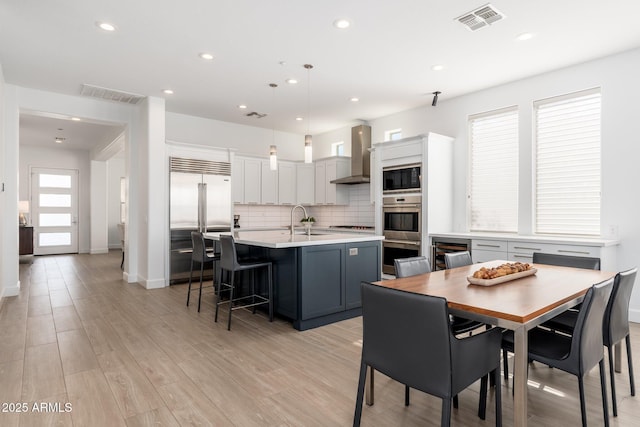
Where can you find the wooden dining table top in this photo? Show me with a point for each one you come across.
(519, 300)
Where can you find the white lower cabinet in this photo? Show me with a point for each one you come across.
(514, 250)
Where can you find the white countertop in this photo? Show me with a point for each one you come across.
(566, 240)
(277, 239)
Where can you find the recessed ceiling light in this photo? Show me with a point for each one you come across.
(299, 119)
(242, 107)
(354, 99)
(342, 23)
(168, 91)
(75, 119)
(206, 56)
(106, 26)
(437, 67)
(524, 36)
(59, 139)
(291, 81)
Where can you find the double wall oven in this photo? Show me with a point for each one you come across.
(402, 218)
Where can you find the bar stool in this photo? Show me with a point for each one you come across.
(201, 255)
(229, 263)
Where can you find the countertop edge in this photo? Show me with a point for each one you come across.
(573, 240)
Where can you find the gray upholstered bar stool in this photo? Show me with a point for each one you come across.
(200, 254)
(229, 263)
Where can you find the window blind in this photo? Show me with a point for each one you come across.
(567, 194)
(494, 171)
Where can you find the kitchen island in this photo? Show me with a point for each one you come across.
(316, 277)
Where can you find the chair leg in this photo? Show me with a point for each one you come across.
(446, 412)
(122, 262)
(455, 401)
(231, 283)
(200, 290)
(603, 386)
(505, 364)
(630, 361)
(361, 381)
(253, 291)
(482, 402)
(190, 277)
(270, 282)
(215, 318)
(498, 390)
(407, 391)
(613, 381)
(583, 410)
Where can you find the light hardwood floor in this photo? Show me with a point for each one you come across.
(121, 355)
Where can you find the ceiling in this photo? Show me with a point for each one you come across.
(384, 58)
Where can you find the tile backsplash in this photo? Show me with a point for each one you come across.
(359, 211)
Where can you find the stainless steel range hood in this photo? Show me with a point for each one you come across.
(360, 157)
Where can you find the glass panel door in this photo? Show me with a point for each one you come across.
(54, 194)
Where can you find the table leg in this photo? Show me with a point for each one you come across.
(617, 356)
(368, 388)
(520, 377)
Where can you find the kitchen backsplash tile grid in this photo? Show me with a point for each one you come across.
(360, 211)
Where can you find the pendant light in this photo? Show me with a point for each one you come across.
(308, 153)
(273, 156)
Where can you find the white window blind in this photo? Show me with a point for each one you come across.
(567, 194)
(494, 171)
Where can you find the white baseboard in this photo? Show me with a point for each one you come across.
(154, 284)
(634, 315)
(11, 291)
(99, 251)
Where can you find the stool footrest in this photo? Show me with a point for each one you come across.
(262, 299)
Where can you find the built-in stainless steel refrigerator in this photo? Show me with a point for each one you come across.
(200, 200)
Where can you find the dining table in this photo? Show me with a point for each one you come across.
(519, 305)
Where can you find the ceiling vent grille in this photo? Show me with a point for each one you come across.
(110, 94)
(256, 115)
(480, 17)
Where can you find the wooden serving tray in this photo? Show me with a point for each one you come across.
(501, 279)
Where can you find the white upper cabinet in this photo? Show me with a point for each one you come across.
(305, 183)
(237, 180)
(252, 181)
(269, 184)
(326, 171)
(286, 183)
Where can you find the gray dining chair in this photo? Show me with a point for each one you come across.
(457, 259)
(615, 326)
(408, 338)
(576, 354)
(588, 263)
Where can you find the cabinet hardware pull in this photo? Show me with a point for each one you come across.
(525, 248)
(488, 246)
(521, 256)
(573, 252)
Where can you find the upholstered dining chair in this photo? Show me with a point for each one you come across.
(200, 255)
(579, 353)
(587, 263)
(408, 338)
(457, 259)
(615, 326)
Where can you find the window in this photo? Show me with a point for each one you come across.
(493, 199)
(337, 148)
(567, 181)
(393, 135)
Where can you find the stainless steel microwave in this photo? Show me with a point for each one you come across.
(402, 179)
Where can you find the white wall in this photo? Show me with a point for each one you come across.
(244, 139)
(3, 218)
(115, 170)
(42, 157)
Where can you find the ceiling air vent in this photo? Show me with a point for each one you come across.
(480, 17)
(256, 115)
(110, 94)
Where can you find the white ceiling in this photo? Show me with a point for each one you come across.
(384, 58)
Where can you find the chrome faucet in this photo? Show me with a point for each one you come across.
(292, 210)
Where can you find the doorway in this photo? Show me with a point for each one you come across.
(54, 201)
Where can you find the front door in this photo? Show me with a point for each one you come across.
(54, 201)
